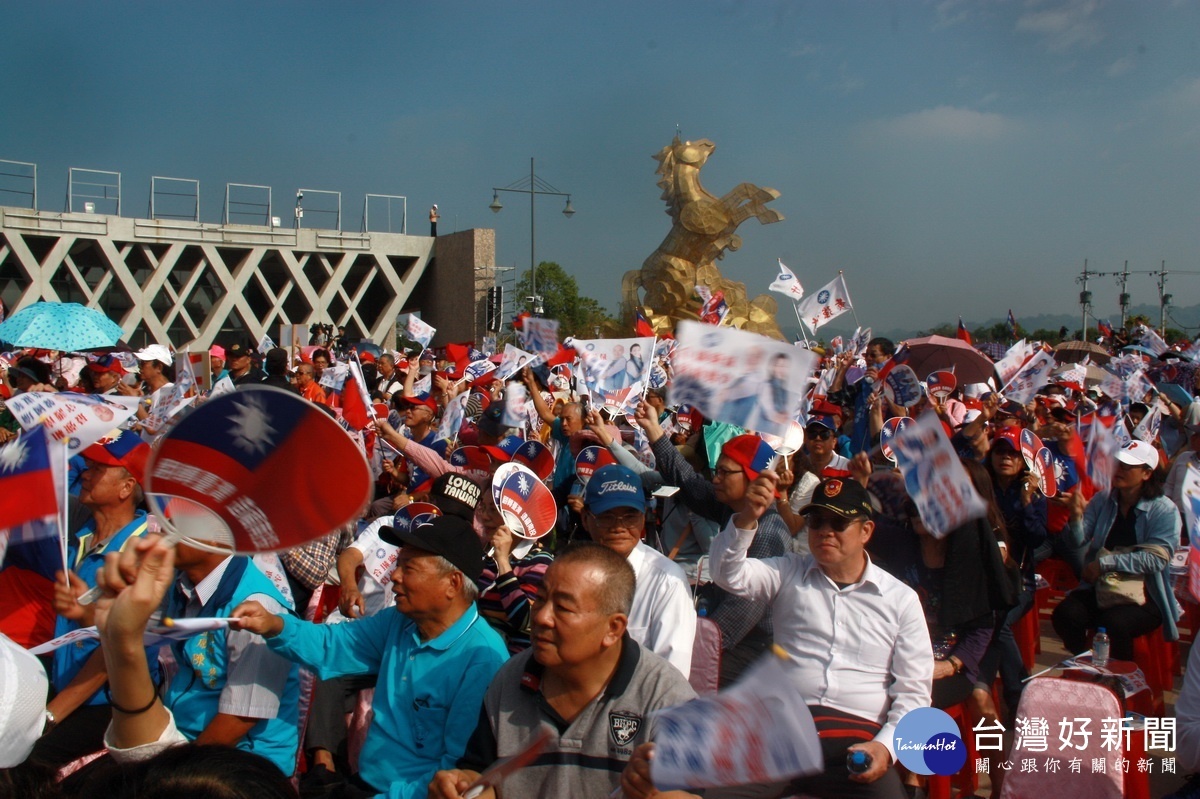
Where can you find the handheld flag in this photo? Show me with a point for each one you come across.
(788, 284)
(1104, 328)
(830, 302)
(356, 404)
(27, 491)
(713, 309)
(1012, 324)
(641, 325)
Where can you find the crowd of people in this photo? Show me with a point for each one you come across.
(406, 658)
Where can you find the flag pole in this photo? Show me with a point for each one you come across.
(64, 510)
(849, 301)
(796, 308)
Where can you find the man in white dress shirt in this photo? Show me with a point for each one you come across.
(663, 618)
(859, 644)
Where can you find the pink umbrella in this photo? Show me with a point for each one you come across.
(932, 353)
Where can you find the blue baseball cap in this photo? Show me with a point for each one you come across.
(614, 486)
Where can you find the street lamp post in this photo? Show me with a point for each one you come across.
(533, 186)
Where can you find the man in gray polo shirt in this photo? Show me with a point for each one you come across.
(584, 677)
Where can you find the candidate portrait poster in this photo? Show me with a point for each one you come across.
(740, 378)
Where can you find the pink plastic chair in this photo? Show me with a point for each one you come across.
(1055, 700)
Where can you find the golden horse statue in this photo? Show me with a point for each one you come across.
(703, 228)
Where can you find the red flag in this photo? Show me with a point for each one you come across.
(963, 334)
(641, 326)
(564, 355)
(356, 405)
(26, 481)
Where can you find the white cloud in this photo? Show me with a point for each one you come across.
(1070, 24)
(803, 50)
(950, 13)
(1121, 66)
(945, 124)
(847, 83)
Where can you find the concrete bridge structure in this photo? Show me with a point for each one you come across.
(172, 278)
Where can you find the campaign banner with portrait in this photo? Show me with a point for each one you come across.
(934, 476)
(740, 378)
(613, 364)
(513, 361)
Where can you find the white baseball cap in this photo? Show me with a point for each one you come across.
(155, 352)
(1138, 453)
(22, 702)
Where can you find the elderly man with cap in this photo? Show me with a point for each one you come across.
(1128, 532)
(434, 657)
(369, 555)
(242, 370)
(663, 618)
(857, 637)
(585, 681)
(156, 367)
(105, 374)
(111, 488)
(745, 623)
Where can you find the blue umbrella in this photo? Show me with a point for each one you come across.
(63, 326)
(369, 346)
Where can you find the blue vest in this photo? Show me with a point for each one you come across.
(68, 660)
(195, 691)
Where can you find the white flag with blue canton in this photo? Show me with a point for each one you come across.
(788, 284)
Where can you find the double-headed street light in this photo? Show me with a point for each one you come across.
(533, 186)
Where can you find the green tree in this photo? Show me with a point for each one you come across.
(577, 315)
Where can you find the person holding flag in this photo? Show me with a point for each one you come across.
(112, 490)
(1131, 530)
(858, 395)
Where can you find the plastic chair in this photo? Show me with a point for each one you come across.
(1157, 659)
(1028, 633)
(1057, 699)
(706, 657)
(965, 781)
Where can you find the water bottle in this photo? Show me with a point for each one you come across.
(1100, 646)
(702, 607)
(858, 761)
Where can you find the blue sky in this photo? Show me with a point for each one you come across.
(951, 157)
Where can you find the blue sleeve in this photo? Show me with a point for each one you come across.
(1162, 528)
(1034, 517)
(335, 650)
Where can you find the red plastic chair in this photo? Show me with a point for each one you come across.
(1028, 633)
(1157, 659)
(966, 781)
